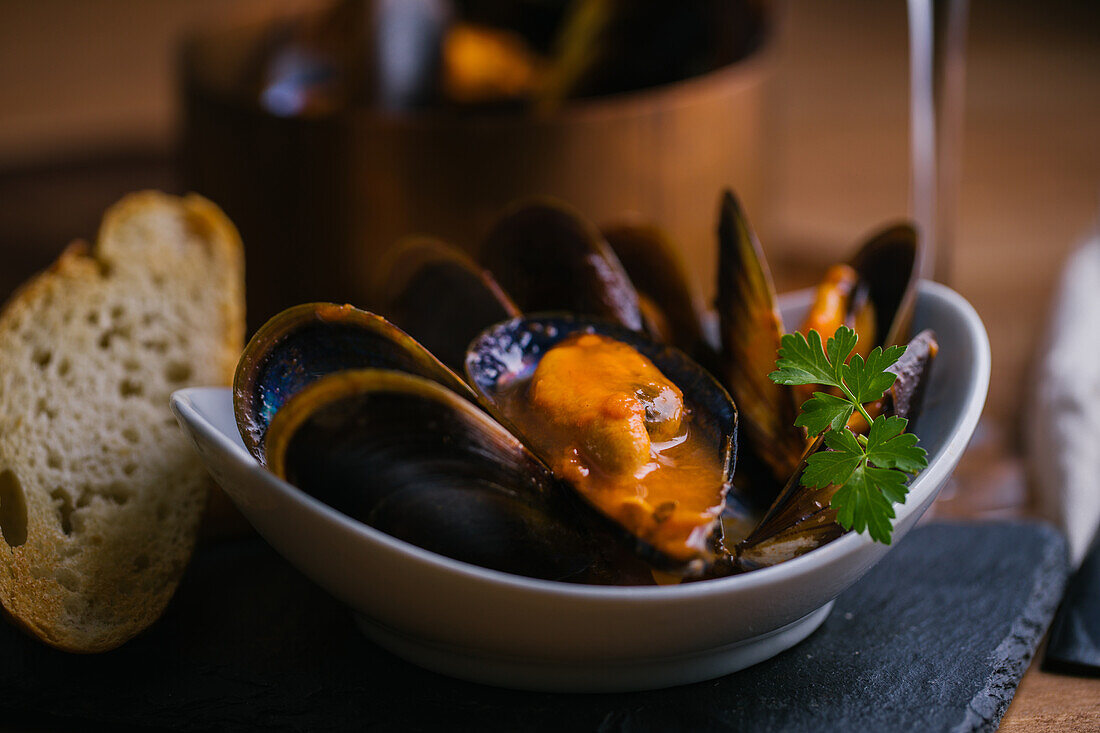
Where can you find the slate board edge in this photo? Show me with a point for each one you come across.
(1026, 633)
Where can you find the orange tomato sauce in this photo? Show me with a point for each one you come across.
(608, 421)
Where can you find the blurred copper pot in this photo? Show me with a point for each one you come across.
(318, 199)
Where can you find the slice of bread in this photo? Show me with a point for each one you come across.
(100, 493)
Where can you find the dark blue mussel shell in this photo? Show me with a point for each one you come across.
(308, 341)
(413, 459)
(548, 257)
(438, 295)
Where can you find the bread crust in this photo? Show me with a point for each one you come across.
(89, 351)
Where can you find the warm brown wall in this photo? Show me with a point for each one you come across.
(80, 75)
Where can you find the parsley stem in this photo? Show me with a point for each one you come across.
(851, 397)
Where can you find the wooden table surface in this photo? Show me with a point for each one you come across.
(1030, 190)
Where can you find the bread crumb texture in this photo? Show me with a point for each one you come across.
(100, 492)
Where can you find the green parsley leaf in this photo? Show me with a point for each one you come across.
(803, 362)
(824, 412)
(868, 380)
(829, 467)
(890, 483)
(861, 504)
(844, 440)
(840, 347)
(870, 472)
(888, 447)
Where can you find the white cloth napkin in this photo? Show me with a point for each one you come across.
(1064, 418)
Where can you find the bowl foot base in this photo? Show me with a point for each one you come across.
(592, 676)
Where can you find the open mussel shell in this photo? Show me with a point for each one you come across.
(504, 358)
(887, 266)
(548, 257)
(413, 459)
(670, 309)
(906, 397)
(798, 521)
(801, 518)
(439, 296)
(750, 328)
(308, 341)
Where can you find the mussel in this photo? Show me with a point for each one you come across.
(413, 284)
(641, 432)
(308, 341)
(750, 327)
(671, 312)
(579, 444)
(413, 459)
(549, 258)
(874, 294)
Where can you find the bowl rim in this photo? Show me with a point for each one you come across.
(928, 481)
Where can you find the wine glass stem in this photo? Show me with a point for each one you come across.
(937, 74)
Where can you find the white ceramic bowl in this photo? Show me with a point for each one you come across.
(505, 630)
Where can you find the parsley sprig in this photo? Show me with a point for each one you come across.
(870, 470)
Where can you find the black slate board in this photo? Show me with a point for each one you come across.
(934, 638)
(1074, 645)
